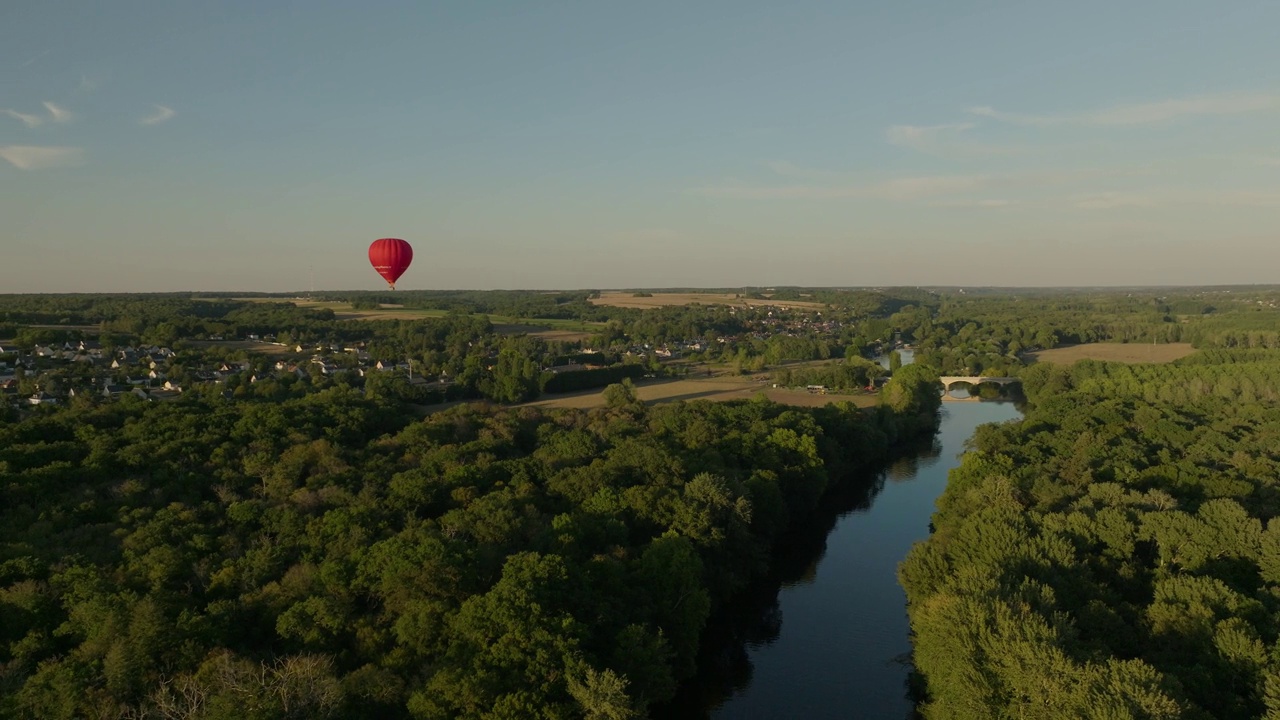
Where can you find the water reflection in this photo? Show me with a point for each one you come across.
(907, 355)
(843, 650)
(907, 468)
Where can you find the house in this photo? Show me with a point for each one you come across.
(385, 365)
(112, 391)
(41, 398)
(136, 381)
(156, 375)
(171, 385)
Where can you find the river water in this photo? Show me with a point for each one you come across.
(826, 635)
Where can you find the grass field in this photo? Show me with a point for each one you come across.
(714, 389)
(1114, 352)
(627, 300)
(249, 345)
(546, 328)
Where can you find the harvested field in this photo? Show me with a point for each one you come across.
(714, 389)
(565, 333)
(1114, 352)
(249, 345)
(628, 300)
(546, 328)
(343, 311)
(78, 328)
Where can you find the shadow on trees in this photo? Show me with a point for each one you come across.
(754, 618)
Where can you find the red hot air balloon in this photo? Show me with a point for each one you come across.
(390, 257)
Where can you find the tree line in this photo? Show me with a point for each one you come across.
(327, 555)
(1114, 554)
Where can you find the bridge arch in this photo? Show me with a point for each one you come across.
(949, 381)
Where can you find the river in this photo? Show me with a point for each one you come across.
(826, 635)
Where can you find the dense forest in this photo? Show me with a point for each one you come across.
(1114, 554)
(329, 556)
(287, 536)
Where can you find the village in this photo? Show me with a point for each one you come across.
(50, 374)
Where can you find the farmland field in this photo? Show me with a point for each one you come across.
(1114, 352)
(530, 327)
(628, 300)
(715, 389)
(249, 345)
(545, 328)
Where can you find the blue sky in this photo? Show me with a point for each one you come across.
(253, 145)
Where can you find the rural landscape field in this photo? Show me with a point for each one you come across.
(645, 300)
(1114, 352)
(446, 455)
(613, 361)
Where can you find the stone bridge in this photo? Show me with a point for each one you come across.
(950, 380)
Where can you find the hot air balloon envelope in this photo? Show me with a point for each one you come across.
(390, 257)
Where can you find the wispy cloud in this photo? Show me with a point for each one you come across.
(791, 170)
(912, 188)
(1143, 113)
(946, 141)
(28, 120)
(35, 157)
(1112, 200)
(1157, 197)
(161, 114)
(986, 203)
(960, 188)
(923, 137)
(31, 60)
(59, 114)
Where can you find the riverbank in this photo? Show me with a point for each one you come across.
(824, 634)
